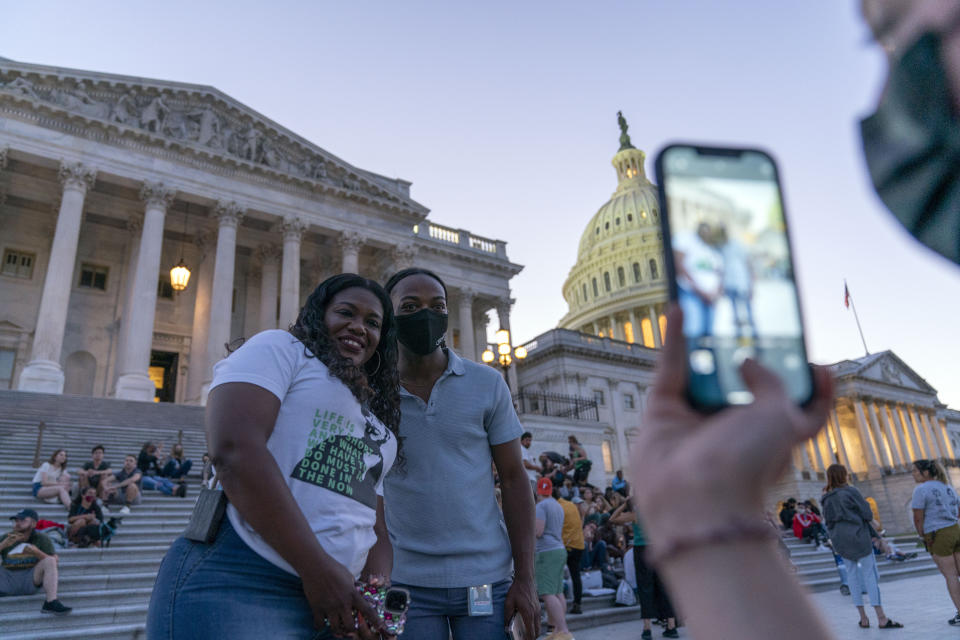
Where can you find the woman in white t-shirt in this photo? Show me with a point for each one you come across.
(302, 429)
(52, 479)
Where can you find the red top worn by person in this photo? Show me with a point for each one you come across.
(802, 520)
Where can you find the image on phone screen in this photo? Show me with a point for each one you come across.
(729, 255)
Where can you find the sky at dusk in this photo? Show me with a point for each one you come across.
(503, 115)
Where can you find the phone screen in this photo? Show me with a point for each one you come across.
(728, 255)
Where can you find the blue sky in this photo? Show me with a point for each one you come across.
(503, 115)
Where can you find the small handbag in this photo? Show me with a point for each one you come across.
(207, 514)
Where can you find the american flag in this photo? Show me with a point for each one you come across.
(846, 296)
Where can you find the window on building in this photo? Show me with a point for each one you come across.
(607, 457)
(7, 357)
(628, 402)
(618, 221)
(584, 291)
(636, 272)
(606, 280)
(629, 217)
(164, 289)
(93, 276)
(606, 225)
(18, 264)
(628, 332)
(653, 269)
(595, 292)
(598, 397)
(621, 277)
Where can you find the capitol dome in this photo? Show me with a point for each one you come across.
(617, 287)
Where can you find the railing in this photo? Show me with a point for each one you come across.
(444, 234)
(557, 405)
(460, 238)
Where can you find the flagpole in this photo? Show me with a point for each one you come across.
(856, 317)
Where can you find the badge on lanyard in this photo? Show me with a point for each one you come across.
(480, 600)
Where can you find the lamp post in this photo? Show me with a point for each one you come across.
(505, 353)
(180, 274)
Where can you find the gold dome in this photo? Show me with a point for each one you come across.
(617, 286)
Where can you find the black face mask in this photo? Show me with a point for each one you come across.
(423, 331)
(912, 147)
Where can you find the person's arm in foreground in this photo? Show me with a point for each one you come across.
(518, 516)
(240, 419)
(723, 586)
(380, 558)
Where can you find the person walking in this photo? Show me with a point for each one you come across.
(574, 544)
(551, 556)
(936, 509)
(451, 543)
(302, 426)
(848, 518)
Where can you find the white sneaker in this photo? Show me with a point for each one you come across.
(126, 510)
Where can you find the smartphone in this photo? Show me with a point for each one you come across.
(517, 631)
(730, 268)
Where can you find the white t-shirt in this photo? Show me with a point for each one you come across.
(333, 453)
(49, 469)
(702, 262)
(530, 456)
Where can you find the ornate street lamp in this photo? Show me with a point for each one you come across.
(180, 274)
(505, 353)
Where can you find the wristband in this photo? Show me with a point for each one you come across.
(733, 531)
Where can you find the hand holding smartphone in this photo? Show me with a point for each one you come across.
(730, 269)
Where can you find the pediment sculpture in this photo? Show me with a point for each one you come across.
(189, 118)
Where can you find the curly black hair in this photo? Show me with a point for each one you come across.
(375, 384)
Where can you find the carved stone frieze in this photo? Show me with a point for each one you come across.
(196, 118)
(269, 254)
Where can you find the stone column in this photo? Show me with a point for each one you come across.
(941, 427)
(616, 333)
(269, 255)
(932, 434)
(134, 383)
(350, 243)
(817, 459)
(43, 373)
(135, 228)
(468, 349)
(655, 326)
(293, 229)
(834, 425)
(199, 363)
(903, 420)
(503, 315)
(929, 451)
(634, 328)
(890, 450)
(881, 408)
(228, 215)
(873, 458)
(623, 456)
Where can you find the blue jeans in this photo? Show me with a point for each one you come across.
(841, 569)
(594, 557)
(225, 590)
(158, 483)
(175, 471)
(435, 613)
(697, 314)
(863, 577)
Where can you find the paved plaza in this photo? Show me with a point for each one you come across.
(921, 604)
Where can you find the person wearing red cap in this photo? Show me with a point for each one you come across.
(29, 562)
(551, 558)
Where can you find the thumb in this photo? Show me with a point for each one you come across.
(762, 382)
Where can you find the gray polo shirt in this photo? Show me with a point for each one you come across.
(446, 528)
